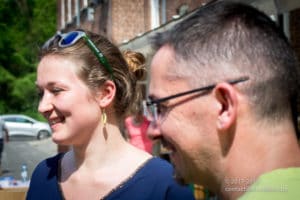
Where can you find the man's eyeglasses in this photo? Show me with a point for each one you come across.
(69, 39)
(154, 109)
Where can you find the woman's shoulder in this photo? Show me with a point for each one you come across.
(47, 166)
(159, 165)
(155, 180)
(157, 170)
(44, 180)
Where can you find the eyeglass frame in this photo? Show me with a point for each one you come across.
(81, 34)
(155, 102)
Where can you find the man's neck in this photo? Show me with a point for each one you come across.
(254, 153)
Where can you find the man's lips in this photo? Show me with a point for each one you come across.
(168, 147)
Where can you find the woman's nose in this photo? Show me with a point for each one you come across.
(45, 105)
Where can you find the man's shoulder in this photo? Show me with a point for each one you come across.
(283, 174)
(277, 184)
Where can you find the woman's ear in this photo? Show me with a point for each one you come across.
(106, 93)
(227, 99)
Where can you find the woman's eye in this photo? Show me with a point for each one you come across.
(40, 93)
(56, 90)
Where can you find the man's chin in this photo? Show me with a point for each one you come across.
(179, 179)
(179, 174)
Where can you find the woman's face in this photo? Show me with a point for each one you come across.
(65, 100)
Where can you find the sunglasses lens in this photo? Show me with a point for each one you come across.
(69, 39)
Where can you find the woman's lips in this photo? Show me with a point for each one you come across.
(54, 121)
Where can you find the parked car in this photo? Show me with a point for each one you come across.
(27, 126)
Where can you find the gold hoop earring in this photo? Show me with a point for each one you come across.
(104, 117)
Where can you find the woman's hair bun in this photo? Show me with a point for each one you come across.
(136, 63)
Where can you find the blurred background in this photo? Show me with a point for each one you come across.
(26, 24)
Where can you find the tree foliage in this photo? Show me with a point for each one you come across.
(24, 26)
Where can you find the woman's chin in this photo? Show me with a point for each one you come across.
(58, 139)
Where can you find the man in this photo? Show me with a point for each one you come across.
(221, 99)
(3, 138)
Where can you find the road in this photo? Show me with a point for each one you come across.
(22, 150)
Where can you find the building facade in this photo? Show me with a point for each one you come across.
(130, 24)
(121, 20)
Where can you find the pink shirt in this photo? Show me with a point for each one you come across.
(138, 134)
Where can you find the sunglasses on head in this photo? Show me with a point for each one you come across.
(70, 38)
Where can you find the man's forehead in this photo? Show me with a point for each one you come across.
(160, 64)
(165, 55)
(163, 80)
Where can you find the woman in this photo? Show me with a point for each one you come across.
(86, 89)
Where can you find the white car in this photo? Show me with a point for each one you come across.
(24, 125)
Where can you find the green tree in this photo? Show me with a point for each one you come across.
(24, 26)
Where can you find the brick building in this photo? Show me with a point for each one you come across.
(120, 20)
(131, 23)
(126, 22)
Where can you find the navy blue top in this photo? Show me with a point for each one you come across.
(152, 181)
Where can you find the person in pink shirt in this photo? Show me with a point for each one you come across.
(136, 124)
(137, 132)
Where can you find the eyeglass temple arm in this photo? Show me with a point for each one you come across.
(195, 90)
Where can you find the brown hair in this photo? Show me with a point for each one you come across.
(136, 63)
(126, 71)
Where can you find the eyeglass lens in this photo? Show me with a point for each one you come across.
(152, 114)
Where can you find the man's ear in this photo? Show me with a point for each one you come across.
(106, 93)
(226, 96)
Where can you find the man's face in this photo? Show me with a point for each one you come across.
(186, 124)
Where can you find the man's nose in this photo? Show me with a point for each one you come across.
(153, 131)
